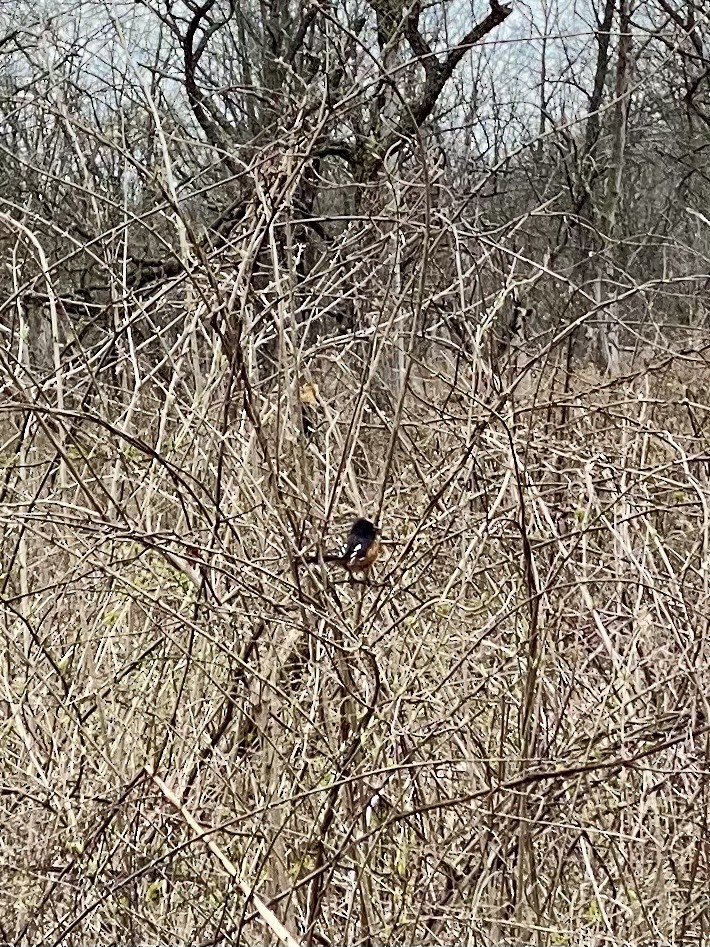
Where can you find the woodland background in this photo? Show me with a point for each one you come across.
(269, 265)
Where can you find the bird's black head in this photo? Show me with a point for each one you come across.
(365, 529)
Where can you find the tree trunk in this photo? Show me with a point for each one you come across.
(609, 328)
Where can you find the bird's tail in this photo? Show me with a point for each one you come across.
(326, 557)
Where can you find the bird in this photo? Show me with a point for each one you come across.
(362, 546)
(359, 550)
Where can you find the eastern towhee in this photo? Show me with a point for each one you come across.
(359, 550)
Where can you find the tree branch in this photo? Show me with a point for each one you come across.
(439, 73)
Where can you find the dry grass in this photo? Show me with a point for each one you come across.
(503, 735)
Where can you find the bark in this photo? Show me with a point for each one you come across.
(600, 76)
(609, 330)
(621, 112)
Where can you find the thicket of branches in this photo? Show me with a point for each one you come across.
(269, 266)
